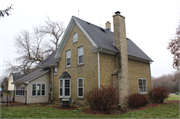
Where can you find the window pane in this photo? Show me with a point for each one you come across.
(144, 82)
(60, 91)
(80, 51)
(38, 86)
(75, 37)
(61, 81)
(66, 83)
(140, 89)
(34, 92)
(80, 92)
(68, 54)
(80, 82)
(144, 89)
(43, 86)
(38, 92)
(67, 91)
(81, 59)
(68, 61)
(34, 86)
(43, 92)
(140, 82)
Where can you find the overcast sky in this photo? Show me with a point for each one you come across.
(149, 24)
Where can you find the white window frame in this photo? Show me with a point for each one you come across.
(36, 90)
(63, 88)
(75, 37)
(142, 85)
(22, 88)
(67, 58)
(80, 54)
(80, 87)
(55, 70)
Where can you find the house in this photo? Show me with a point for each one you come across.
(13, 77)
(90, 56)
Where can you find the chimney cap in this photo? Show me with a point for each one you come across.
(108, 22)
(118, 12)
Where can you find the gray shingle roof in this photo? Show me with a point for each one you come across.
(105, 39)
(50, 59)
(17, 76)
(31, 76)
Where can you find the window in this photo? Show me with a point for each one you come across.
(80, 87)
(80, 55)
(68, 58)
(20, 90)
(38, 90)
(64, 88)
(142, 85)
(75, 37)
(55, 70)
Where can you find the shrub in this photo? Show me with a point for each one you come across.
(158, 94)
(102, 99)
(137, 100)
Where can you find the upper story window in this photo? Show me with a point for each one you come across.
(80, 55)
(142, 85)
(38, 89)
(68, 58)
(75, 37)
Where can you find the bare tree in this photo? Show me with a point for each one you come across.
(34, 47)
(55, 30)
(6, 11)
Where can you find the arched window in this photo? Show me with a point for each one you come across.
(75, 37)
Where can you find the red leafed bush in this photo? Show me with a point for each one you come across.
(103, 98)
(137, 100)
(158, 94)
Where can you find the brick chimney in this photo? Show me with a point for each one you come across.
(122, 57)
(108, 26)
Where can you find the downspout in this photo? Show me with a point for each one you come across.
(98, 68)
(52, 84)
(151, 77)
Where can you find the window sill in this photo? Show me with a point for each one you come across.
(80, 98)
(144, 93)
(75, 42)
(68, 67)
(80, 65)
(64, 96)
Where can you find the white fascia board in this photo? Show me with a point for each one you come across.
(65, 38)
(36, 77)
(86, 34)
(138, 59)
(106, 51)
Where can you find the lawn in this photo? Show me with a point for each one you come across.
(173, 97)
(161, 111)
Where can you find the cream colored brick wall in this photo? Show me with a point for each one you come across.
(88, 71)
(138, 70)
(107, 67)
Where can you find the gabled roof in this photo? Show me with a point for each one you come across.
(101, 39)
(31, 76)
(50, 60)
(17, 76)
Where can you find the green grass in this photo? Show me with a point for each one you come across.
(173, 97)
(161, 111)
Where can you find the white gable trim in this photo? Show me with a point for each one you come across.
(71, 24)
(86, 34)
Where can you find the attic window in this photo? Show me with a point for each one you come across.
(75, 38)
